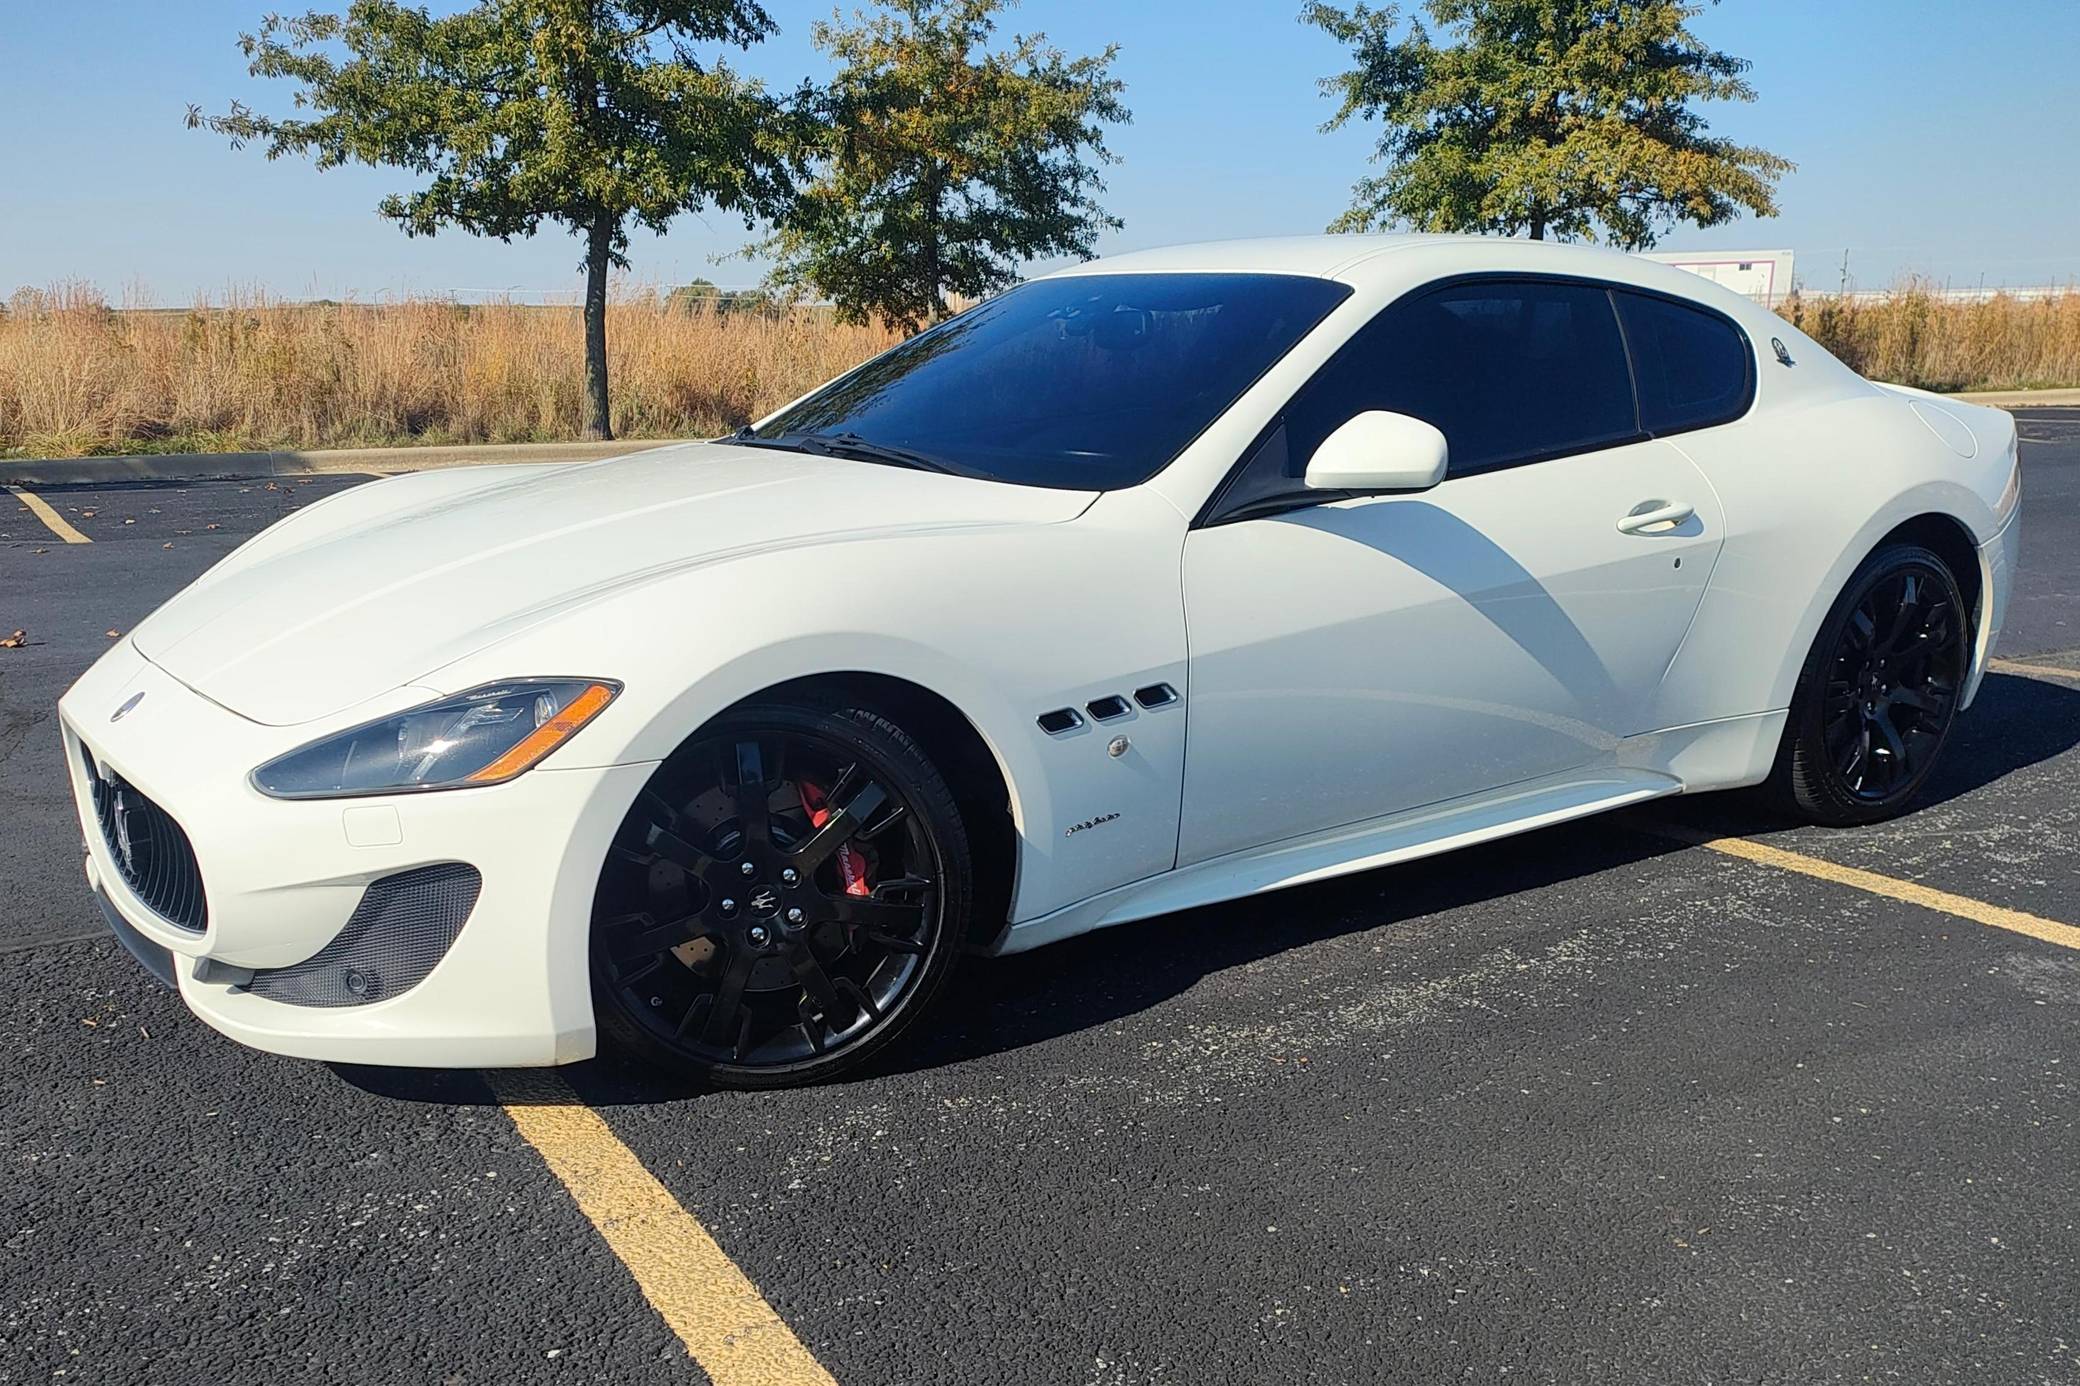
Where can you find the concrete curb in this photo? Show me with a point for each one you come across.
(197, 466)
(2019, 399)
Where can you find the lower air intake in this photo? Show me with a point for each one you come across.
(403, 926)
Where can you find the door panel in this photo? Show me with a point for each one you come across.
(1361, 657)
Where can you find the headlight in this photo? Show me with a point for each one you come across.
(485, 736)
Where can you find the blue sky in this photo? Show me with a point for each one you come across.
(1933, 137)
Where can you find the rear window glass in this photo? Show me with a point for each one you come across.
(1694, 368)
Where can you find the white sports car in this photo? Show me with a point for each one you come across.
(1162, 580)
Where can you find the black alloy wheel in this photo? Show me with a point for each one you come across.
(1879, 693)
(786, 895)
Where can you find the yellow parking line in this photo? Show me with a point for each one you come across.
(2035, 671)
(1962, 906)
(713, 1307)
(52, 520)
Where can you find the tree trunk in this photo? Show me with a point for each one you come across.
(599, 244)
(1538, 228)
(934, 268)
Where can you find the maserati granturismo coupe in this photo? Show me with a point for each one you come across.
(1166, 579)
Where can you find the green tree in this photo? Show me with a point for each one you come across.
(589, 113)
(1553, 117)
(693, 297)
(943, 164)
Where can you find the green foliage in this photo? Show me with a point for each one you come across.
(594, 114)
(700, 295)
(521, 111)
(1560, 117)
(943, 164)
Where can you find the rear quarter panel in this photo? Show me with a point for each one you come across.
(1811, 481)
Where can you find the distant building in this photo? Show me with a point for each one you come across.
(1763, 275)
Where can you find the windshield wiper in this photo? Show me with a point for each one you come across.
(852, 445)
(849, 445)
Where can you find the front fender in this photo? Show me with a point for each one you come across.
(1003, 621)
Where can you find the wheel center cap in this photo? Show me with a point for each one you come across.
(763, 902)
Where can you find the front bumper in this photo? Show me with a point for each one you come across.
(281, 878)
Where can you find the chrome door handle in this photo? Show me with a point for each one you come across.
(1654, 515)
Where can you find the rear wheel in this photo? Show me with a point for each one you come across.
(1879, 691)
(786, 896)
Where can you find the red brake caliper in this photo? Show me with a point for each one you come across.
(852, 863)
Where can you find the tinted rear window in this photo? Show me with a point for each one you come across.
(1507, 370)
(1695, 368)
(1090, 382)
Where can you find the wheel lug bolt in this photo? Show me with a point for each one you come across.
(794, 916)
(788, 876)
(746, 869)
(758, 935)
(729, 907)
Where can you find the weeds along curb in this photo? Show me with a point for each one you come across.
(199, 466)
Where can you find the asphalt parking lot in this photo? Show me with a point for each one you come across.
(1594, 1104)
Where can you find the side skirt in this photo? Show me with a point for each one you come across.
(1357, 847)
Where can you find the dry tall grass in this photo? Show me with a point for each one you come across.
(1914, 337)
(77, 376)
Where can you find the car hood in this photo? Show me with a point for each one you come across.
(335, 607)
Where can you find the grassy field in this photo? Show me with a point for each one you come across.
(1913, 337)
(77, 377)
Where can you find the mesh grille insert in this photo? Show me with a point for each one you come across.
(403, 926)
(152, 854)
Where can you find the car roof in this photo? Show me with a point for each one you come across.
(1390, 261)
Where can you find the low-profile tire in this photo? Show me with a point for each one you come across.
(1878, 694)
(788, 895)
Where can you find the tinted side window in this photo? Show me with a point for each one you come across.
(1507, 370)
(1694, 368)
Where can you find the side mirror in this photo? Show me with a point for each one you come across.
(1379, 451)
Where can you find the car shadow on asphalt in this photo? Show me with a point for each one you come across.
(1000, 1005)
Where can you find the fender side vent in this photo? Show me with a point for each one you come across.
(1155, 695)
(1061, 721)
(1107, 708)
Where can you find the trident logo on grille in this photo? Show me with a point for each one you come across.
(126, 850)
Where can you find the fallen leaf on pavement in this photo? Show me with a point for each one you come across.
(167, 545)
(15, 641)
(114, 634)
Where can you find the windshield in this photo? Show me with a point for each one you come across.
(1089, 382)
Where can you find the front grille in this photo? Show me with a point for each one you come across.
(403, 926)
(151, 852)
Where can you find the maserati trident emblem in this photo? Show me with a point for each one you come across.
(124, 711)
(126, 849)
(765, 902)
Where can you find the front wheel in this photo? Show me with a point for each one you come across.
(1879, 692)
(788, 893)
